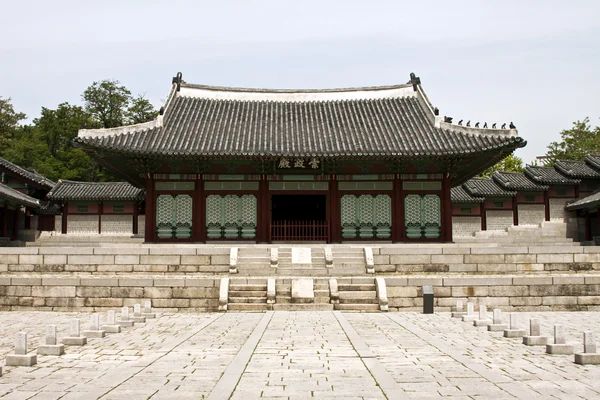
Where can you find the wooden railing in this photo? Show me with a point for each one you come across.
(300, 230)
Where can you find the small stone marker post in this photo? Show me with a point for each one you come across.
(534, 338)
(111, 323)
(470, 317)
(560, 345)
(427, 299)
(21, 358)
(50, 348)
(125, 321)
(75, 338)
(458, 313)
(483, 317)
(589, 355)
(148, 314)
(94, 331)
(497, 325)
(137, 314)
(513, 331)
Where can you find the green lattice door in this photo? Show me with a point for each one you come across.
(422, 216)
(366, 216)
(174, 216)
(231, 216)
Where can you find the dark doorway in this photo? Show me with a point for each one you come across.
(296, 207)
(299, 218)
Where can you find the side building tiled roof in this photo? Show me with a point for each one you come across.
(30, 175)
(481, 187)
(548, 176)
(459, 195)
(11, 195)
(576, 169)
(590, 201)
(517, 181)
(593, 160)
(94, 191)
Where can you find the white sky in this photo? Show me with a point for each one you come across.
(532, 62)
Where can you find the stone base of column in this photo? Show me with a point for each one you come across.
(126, 324)
(587, 358)
(458, 314)
(111, 328)
(94, 334)
(497, 327)
(51, 349)
(514, 333)
(149, 315)
(482, 322)
(535, 340)
(559, 348)
(74, 340)
(21, 360)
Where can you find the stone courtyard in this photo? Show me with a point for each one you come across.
(299, 355)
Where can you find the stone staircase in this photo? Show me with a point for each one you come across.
(348, 261)
(357, 294)
(284, 301)
(544, 234)
(255, 261)
(317, 266)
(248, 296)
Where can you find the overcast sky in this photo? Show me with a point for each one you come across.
(532, 62)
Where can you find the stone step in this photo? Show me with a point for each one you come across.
(355, 287)
(247, 287)
(356, 307)
(258, 300)
(359, 300)
(248, 307)
(246, 293)
(356, 294)
(302, 307)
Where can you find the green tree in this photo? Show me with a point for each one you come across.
(140, 110)
(511, 163)
(9, 122)
(575, 143)
(107, 102)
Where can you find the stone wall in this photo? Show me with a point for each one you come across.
(117, 224)
(141, 224)
(82, 224)
(58, 223)
(498, 220)
(531, 214)
(557, 209)
(465, 226)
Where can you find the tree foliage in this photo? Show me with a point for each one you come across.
(511, 163)
(575, 143)
(46, 145)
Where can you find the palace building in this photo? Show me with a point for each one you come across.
(370, 164)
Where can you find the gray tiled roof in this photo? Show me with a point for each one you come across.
(48, 208)
(576, 169)
(209, 121)
(548, 176)
(479, 187)
(517, 181)
(30, 175)
(593, 160)
(14, 196)
(459, 195)
(590, 201)
(94, 191)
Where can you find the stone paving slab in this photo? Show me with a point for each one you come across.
(299, 355)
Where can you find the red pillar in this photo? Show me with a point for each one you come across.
(100, 212)
(150, 210)
(335, 213)
(136, 213)
(263, 218)
(16, 223)
(65, 212)
(547, 205)
(447, 209)
(199, 216)
(398, 211)
(4, 211)
(515, 211)
(483, 216)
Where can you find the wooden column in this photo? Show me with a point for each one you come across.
(16, 223)
(335, 212)
(546, 206)
(136, 213)
(65, 212)
(397, 211)
(483, 216)
(263, 213)
(150, 210)
(447, 209)
(588, 226)
(100, 212)
(515, 211)
(199, 216)
(4, 211)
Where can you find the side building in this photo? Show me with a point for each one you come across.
(228, 164)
